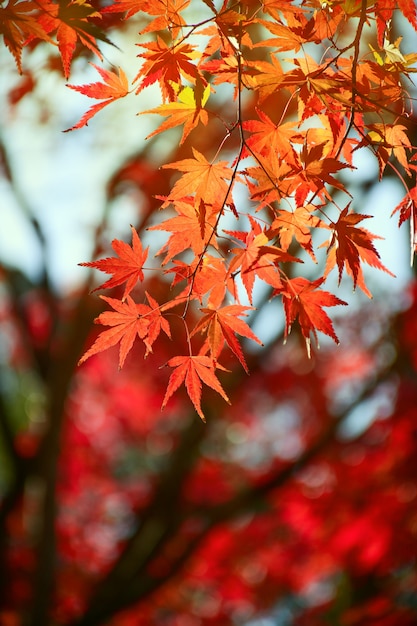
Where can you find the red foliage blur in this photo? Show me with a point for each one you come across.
(274, 507)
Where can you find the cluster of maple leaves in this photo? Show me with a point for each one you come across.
(277, 175)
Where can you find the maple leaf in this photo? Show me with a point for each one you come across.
(186, 229)
(407, 209)
(349, 245)
(168, 16)
(157, 323)
(212, 277)
(129, 7)
(222, 325)
(389, 139)
(167, 12)
(316, 86)
(127, 268)
(385, 9)
(189, 110)
(128, 321)
(409, 10)
(115, 86)
(208, 275)
(206, 180)
(316, 172)
(257, 258)
(70, 20)
(18, 24)
(290, 37)
(227, 69)
(167, 64)
(274, 179)
(276, 8)
(297, 224)
(303, 300)
(192, 371)
(269, 137)
(269, 78)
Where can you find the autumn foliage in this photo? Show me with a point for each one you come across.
(312, 83)
(273, 507)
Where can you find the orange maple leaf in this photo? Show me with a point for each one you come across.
(268, 78)
(316, 84)
(167, 64)
(18, 25)
(168, 16)
(188, 229)
(128, 7)
(189, 110)
(70, 20)
(157, 322)
(167, 12)
(268, 137)
(349, 246)
(127, 268)
(316, 171)
(192, 371)
(278, 8)
(204, 179)
(388, 139)
(207, 276)
(256, 258)
(274, 179)
(222, 325)
(297, 224)
(115, 86)
(290, 37)
(303, 300)
(212, 277)
(128, 321)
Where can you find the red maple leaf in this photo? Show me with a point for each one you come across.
(349, 246)
(384, 10)
(222, 325)
(303, 300)
(127, 268)
(192, 371)
(409, 10)
(408, 211)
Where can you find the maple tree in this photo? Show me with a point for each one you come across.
(288, 132)
(113, 512)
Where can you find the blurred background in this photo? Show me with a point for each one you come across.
(297, 504)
